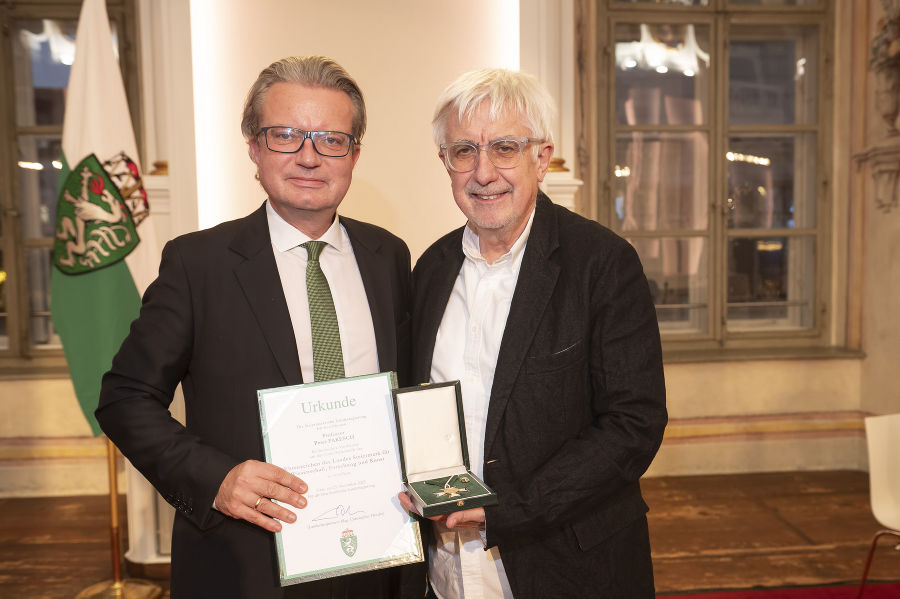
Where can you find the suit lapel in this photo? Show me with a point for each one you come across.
(258, 277)
(432, 288)
(376, 277)
(537, 280)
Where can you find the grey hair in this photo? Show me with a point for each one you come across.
(314, 71)
(507, 92)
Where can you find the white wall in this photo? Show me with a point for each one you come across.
(402, 53)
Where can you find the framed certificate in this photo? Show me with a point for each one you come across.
(340, 437)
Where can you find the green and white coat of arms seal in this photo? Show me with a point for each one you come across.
(348, 542)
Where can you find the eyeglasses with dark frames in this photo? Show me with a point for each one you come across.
(290, 140)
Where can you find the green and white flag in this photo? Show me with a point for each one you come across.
(105, 252)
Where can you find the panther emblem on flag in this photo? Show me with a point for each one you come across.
(100, 207)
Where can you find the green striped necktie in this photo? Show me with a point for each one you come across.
(328, 359)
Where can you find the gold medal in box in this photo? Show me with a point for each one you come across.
(434, 455)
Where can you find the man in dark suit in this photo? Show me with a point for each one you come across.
(228, 315)
(546, 319)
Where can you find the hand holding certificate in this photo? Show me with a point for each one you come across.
(248, 489)
(340, 438)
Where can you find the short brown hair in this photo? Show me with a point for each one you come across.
(315, 71)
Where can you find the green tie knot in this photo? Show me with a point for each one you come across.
(313, 249)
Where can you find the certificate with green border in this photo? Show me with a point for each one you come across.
(340, 437)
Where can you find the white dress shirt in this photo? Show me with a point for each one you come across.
(466, 348)
(350, 302)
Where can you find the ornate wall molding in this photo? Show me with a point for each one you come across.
(884, 161)
(883, 156)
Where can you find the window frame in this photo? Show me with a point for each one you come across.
(595, 82)
(20, 358)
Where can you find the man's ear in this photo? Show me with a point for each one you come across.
(254, 150)
(545, 153)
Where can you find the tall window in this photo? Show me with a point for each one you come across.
(35, 59)
(711, 144)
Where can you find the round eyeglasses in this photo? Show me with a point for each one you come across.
(289, 140)
(506, 152)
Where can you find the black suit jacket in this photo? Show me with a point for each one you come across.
(577, 409)
(216, 321)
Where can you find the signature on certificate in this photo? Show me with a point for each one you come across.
(339, 511)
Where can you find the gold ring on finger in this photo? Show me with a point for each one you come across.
(256, 505)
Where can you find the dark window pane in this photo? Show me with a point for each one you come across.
(768, 3)
(662, 181)
(771, 283)
(39, 166)
(682, 2)
(38, 262)
(772, 75)
(677, 272)
(772, 182)
(43, 52)
(4, 285)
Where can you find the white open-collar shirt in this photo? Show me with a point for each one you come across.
(466, 348)
(351, 304)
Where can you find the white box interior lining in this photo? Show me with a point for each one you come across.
(429, 429)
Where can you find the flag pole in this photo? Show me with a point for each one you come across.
(118, 588)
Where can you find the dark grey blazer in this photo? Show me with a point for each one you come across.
(577, 410)
(216, 321)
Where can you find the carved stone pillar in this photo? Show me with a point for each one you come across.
(883, 157)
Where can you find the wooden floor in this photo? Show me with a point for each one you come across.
(708, 532)
(764, 530)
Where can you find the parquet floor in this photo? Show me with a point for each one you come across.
(708, 532)
(765, 530)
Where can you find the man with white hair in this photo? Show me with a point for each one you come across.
(546, 319)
